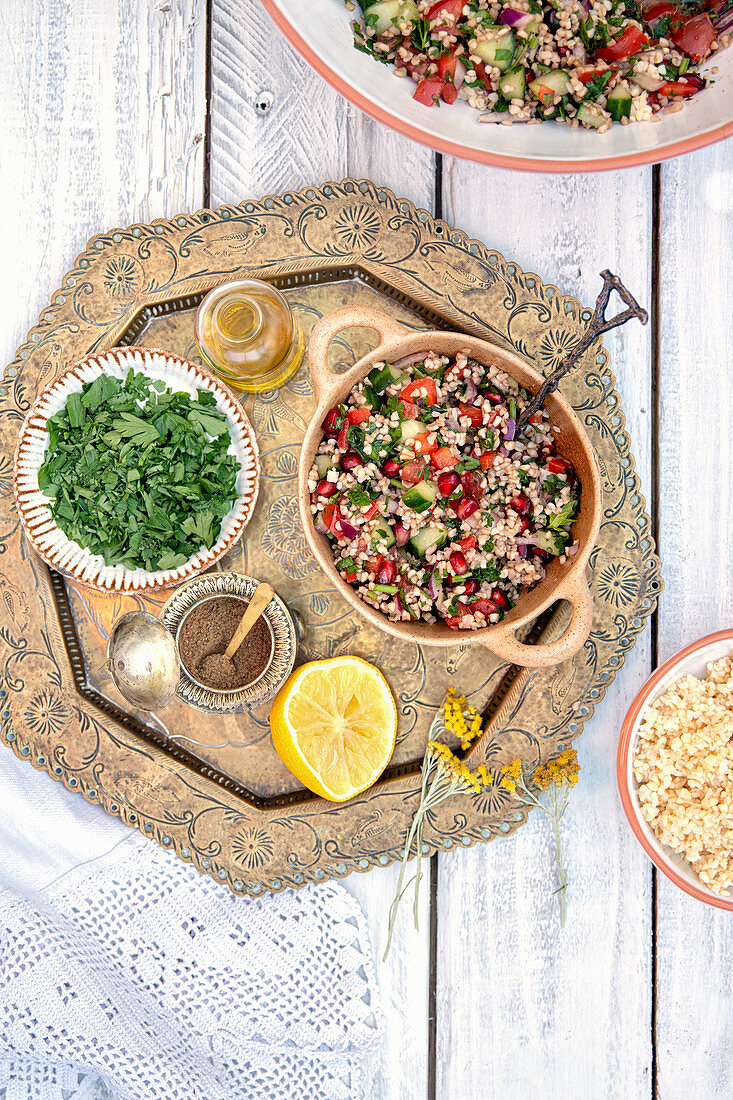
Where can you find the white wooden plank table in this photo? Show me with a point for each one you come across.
(123, 110)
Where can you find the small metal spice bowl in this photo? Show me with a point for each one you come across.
(278, 619)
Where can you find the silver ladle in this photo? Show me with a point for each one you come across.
(142, 660)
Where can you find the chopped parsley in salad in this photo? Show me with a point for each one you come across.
(586, 63)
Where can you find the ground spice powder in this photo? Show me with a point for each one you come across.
(205, 634)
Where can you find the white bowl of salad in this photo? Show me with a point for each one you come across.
(572, 85)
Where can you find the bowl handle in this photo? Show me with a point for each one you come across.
(330, 325)
(505, 645)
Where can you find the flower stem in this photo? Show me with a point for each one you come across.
(562, 874)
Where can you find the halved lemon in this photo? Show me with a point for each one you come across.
(334, 724)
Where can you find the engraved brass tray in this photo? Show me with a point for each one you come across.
(211, 787)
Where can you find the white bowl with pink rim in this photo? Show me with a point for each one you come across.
(693, 660)
(321, 32)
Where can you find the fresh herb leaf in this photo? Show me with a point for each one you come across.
(358, 498)
(137, 473)
(565, 516)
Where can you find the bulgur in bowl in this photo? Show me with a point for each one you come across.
(564, 575)
(673, 754)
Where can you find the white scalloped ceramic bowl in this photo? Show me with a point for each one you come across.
(50, 542)
(321, 32)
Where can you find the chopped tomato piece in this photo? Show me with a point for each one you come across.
(342, 438)
(468, 543)
(447, 66)
(371, 510)
(428, 91)
(410, 411)
(443, 458)
(350, 577)
(475, 415)
(557, 465)
(413, 391)
(455, 620)
(358, 416)
(695, 36)
(447, 70)
(332, 517)
(654, 15)
(451, 9)
(412, 472)
(630, 42)
(424, 444)
(658, 11)
(678, 87)
(487, 460)
(590, 72)
(373, 565)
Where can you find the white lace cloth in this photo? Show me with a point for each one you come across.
(135, 969)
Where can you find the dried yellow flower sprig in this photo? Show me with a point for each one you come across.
(553, 781)
(461, 718)
(443, 775)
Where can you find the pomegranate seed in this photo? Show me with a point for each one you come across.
(458, 562)
(387, 572)
(472, 486)
(520, 504)
(523, 525)
(546, 450)
(401, 534)
(391, 468)
(448, 482)
(350, 461)
(466, 507)
(470, 586)
(543, 555)
(326, 488)
(331, 424)
(500, 599)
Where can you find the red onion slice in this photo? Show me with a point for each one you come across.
(349, 531)
(460, 75)
(510, 17)
(321, 526)
(511, 427)
(471, 391)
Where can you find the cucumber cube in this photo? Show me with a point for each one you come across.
(420, 497)
(430, 538)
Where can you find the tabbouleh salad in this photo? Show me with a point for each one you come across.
(436, 508)
(582, 62)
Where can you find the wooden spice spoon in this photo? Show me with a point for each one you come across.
(259, 600)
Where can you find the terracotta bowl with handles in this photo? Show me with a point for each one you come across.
(564, 581)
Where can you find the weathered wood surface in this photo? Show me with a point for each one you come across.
(694, 941)
(104, 116)
(104, 123)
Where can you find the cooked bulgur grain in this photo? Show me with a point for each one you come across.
(684, 765)
(436, 507)
(574, 62)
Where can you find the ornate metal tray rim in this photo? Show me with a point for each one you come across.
(441, 230)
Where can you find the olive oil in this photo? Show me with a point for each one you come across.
(249, 336)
